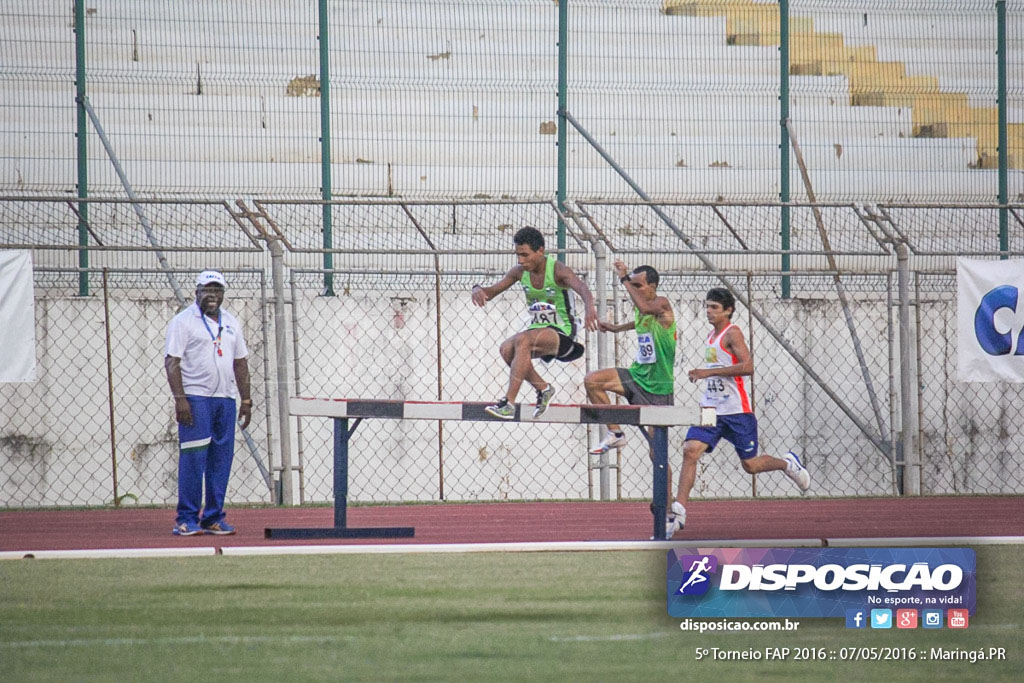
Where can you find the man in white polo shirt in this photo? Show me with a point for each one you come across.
(205, 358)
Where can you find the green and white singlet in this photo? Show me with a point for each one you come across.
(550, 306)
(654, 367)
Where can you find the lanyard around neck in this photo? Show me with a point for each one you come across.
(216, 340)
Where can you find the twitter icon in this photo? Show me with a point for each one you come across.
(881, 618)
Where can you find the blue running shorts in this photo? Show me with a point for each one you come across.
(740, 430)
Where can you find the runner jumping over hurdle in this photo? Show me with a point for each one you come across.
(650, 380)
(552, 332)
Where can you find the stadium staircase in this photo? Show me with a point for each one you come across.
(872, 82)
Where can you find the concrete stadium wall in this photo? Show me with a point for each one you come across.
(55, 448)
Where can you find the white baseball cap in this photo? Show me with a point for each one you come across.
(210, 277)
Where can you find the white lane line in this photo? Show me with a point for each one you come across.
(99, 553)
(931, 541)
(556, 546)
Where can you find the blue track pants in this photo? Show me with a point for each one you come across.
(207, 448)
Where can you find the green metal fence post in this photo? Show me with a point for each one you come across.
(563, 103)
(83, 148)
(1004, 228)
(784, 136)
(325, 147)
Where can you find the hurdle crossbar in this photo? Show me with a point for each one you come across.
(659, 418)
(649, 416)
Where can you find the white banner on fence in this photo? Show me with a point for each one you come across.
(17, 318)
(990, 320)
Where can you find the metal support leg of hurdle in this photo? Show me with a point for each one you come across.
(659, 504)
(342, 435)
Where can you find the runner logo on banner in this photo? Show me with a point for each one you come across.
(990, 320)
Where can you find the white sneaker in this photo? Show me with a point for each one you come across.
(675, 520)
(609, 442)
(796, 471)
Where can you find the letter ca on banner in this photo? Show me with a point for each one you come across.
(990, 320)
(991, 340)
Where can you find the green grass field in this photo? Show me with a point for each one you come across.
(500, 616)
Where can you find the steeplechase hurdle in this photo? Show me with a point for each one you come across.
(658, 418)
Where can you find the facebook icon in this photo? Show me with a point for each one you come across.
(855, 618)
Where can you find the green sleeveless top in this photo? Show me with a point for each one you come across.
(551, 306)
(654, 367)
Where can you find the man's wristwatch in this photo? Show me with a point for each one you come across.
(624, 279)
(247, 402)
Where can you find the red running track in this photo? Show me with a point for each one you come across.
(529, 522)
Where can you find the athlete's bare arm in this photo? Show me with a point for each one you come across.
(564, 277)
(482, 294)
(612, 327)
(660, 307)
(657, 306)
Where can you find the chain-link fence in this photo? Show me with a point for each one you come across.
(399, 324)
(793, 411)
(414, 335)
(391, 337)
(97, 426)
(970, 437)
(533, 113)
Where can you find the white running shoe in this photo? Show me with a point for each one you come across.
(796, 471)
(675, 520)
(609, 442)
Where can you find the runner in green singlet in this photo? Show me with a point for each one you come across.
(650, 380)
(552, 331)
